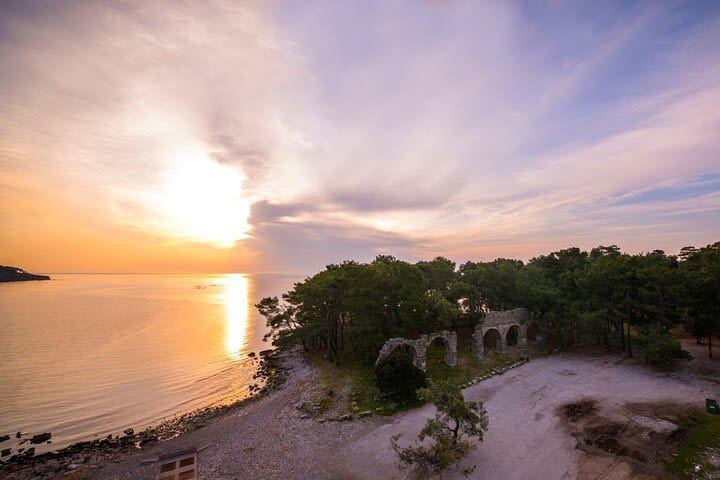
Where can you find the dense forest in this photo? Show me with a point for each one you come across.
(603, 296)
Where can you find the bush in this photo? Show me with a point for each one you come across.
(663, 349)
(397, 378)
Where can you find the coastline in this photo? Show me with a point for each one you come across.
(271, 435)
(93, 454)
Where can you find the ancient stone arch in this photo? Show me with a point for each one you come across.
(491, 334)
(450, 341)
(420, 346)
(502, 322)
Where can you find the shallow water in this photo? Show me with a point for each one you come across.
(83, 356)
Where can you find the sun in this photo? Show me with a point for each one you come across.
(202, 200)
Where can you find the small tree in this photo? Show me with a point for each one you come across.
(397, 378)
(455, 419)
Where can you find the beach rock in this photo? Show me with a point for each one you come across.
(129, 432)
(17, 435)
(251, 354)
(4, 438)
(148, 439)
(5, 452)
(40, 438)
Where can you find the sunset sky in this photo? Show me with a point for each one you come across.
(143, 136)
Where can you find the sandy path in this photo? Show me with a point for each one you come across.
(526, 438)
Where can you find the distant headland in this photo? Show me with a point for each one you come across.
(15, 274)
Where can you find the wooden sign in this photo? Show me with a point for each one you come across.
(180, 465)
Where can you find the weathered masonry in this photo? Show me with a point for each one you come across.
(500, 329)
(419, 348)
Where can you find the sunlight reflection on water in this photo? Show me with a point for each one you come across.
(235, 298)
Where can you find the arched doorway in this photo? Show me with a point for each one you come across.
(492, 340)
(511, 337)
(532, 332)
(436, 352)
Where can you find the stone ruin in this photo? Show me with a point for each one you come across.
(501, 325)
(420, 346)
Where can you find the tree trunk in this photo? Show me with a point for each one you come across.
(627, 307)
(710, 344)
(332, 338)
(605, 336)
(342, 333)
(629, 336)
(455, 430)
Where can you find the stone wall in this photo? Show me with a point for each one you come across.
(516, 316)
(502, 322)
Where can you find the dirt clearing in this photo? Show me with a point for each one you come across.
(560, 417)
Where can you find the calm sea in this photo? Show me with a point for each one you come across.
(83, 356)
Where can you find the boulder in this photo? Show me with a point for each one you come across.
(40, 438)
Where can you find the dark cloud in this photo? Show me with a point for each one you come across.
(308, 247)
(266, 212)
(398, 199)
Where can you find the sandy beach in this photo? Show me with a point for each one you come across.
(528, 435)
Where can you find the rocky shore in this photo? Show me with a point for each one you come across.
(23, 463)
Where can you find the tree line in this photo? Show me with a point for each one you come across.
(602, 295)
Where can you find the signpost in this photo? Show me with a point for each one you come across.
(180, 465)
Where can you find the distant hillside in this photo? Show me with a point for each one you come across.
(15, 274)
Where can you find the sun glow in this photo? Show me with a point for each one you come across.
(235, 300)
(202, 200)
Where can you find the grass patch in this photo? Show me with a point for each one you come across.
(695, 452)
(468, 367)
(353, 383)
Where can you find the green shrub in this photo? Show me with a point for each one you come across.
(397, 378)
(662, 349)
